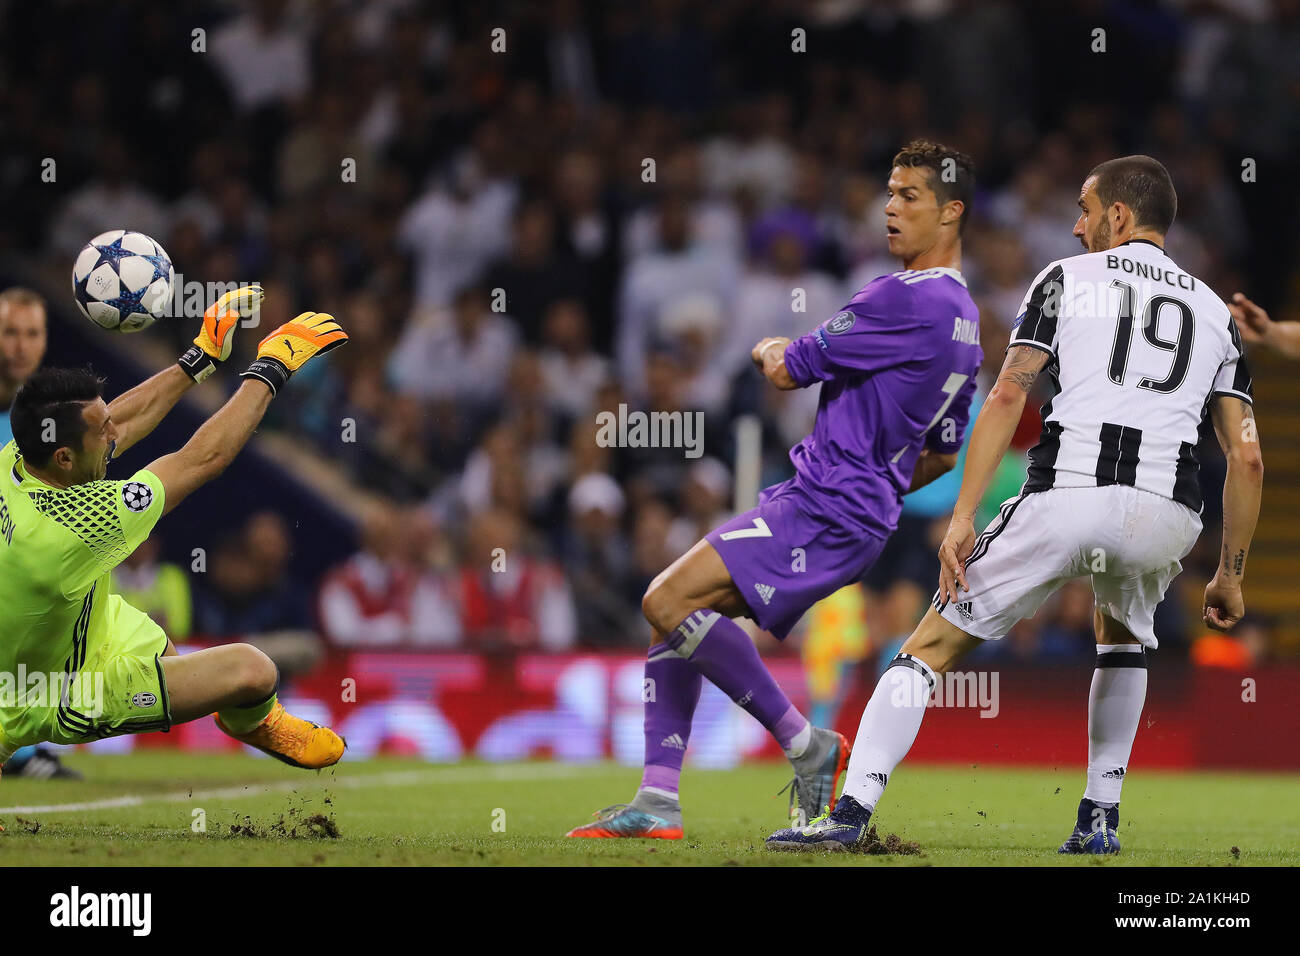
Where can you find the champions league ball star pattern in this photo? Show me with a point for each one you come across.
(122, 280)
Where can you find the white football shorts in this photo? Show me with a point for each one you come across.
(1130, 542)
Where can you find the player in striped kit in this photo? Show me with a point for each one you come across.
(1138, 351)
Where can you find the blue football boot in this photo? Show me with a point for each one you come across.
(1095, 831)
(838, 830)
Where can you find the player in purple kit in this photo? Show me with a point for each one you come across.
(897, 369)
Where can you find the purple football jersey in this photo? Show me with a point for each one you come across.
(897, 368)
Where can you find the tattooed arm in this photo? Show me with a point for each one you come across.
(997, 422)
(989, 439)
(1234, 424)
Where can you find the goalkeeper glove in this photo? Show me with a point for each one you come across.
(289, 347)
(217, 337)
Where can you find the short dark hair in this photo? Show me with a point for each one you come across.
(952, 173)
(1141, 183)
(58, 395)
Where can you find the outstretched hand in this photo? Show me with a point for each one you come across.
(1252, 321)
(292, 345)
(217, 337)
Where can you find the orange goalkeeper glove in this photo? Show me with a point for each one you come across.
(217, 336)
(292, 345)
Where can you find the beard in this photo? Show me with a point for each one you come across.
(1101, 238)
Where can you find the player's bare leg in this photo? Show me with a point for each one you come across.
(889, 726)
(1119, 689)
(238, 683)
(698, 579)
(689, 607)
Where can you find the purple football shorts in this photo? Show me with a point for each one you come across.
(788, 553)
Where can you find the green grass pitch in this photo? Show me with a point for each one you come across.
(141, 809)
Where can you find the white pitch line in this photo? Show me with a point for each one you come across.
(402, 778)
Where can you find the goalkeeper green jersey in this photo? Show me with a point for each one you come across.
(57, 547)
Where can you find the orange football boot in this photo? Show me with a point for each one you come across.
(297, 742)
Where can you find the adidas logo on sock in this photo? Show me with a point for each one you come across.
(765, 591)
(880, 778)
(674, 741)
(1117, 772)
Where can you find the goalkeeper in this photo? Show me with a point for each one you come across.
(77, 663)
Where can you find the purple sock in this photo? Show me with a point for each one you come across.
(671, 691)
(722, 652)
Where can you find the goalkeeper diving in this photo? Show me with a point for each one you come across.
(77, 663)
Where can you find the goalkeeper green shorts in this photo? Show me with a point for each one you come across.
(119, 690)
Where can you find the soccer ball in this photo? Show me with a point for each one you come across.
(122, 280)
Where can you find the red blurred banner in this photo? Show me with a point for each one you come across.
(446, 707)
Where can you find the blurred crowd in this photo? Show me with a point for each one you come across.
(605, 204)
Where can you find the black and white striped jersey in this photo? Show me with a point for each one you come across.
(1138, 347)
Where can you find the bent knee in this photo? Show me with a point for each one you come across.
(257, 672)
(662, 604)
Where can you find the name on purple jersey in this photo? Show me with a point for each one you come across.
(966, 330)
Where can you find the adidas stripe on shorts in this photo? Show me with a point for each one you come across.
(1128, 541)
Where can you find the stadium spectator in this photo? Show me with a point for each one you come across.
(534, 274)
(679, 283)
(597, 562)
(1000, 289)
(388, 593)
(511, 600)
(704, 504)
(651, 550)
(112, 196)
(781, 293)
(1069, 633)
(263, 56)
(311, 154)
(454, 231)
(716, 224)
(854, 228)
(572, 372)
(23, 339)
(460, 366)
(587, 226)
(157, 587)
(249, 589)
